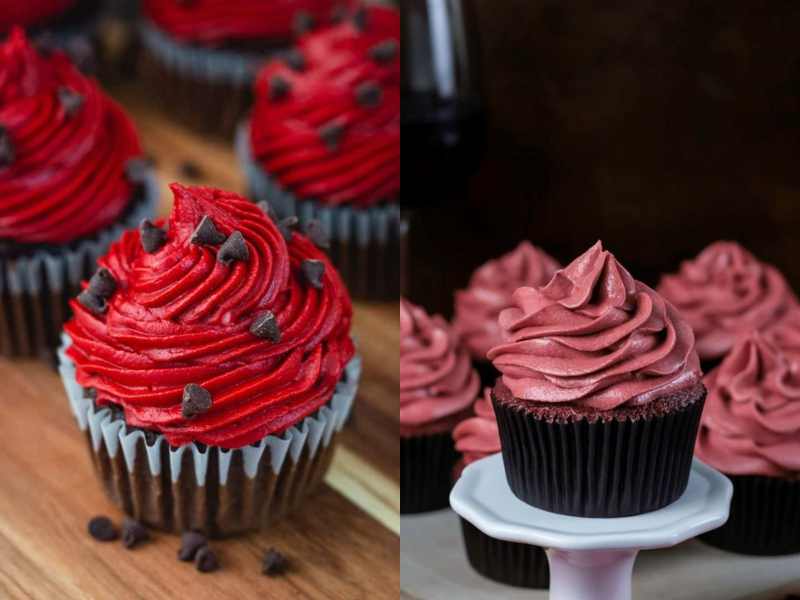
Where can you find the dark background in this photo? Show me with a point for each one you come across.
(657, 127)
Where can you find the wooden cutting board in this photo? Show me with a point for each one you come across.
(343, 544)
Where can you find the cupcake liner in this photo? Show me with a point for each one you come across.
(365, 242)
(612, 468)
(764, 518)
(520, 565)
(194, 486)
(35, 289)
(426, 466)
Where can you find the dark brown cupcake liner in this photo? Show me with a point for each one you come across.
(512, 563)
(426, 466)
(612, 468)
(764, 518)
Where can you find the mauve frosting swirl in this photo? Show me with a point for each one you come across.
(180, 315)
(477, 437)
(331, 130)
(26, 13)
(751, 420)
(725, 292)
(66, 146)
(437, 380)
(594, 337)
(478, 307)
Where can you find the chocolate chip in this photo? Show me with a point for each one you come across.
(295, 60)
(102, 529)
(196, 400)
(207, 233)
(360, 19)
(384, 51)
(267, 209)
(7, 153)
(190, 170)
(317, 234)
(303, 22)
(81, 53)
(369, 94)
(92, 302)
(71, 101)
(45, 43)
(274, 563)
(278, 87)
(136, 169)
(233, 249)
(286, 226)
(313, 271)
(133, 533)
(266, 327)
(152, 237)
(191, 542)
(206, 560)
(331, 134)
(102, 283)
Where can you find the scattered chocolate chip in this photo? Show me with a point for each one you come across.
(317, 234)
(369, 94)
(102, 283)
(207, 233)
(303, 22)
(233, 249)
(266, 208)
(331, 134)
(152, 237)
(133, 533)
(295, 59)
(278, 87)
(286, 226)
(190, 170)
(80, 51)
(360, 19)
(90, 393)
(206, 560)
(274, 563)
(191, 542)
(92, 302)
(339, 13)
(313, 271)
(384, 52)
(70, 100)
(7, 153)
(102, 529)
(266, 327)
(196, 400)
(45, 43)
(136, 169)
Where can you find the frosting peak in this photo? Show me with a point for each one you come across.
(596, 337)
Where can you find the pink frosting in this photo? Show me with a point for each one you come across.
(594, 337)
(477, 437)
(751, 420)
(436, 377)
(478, 307)
(725, 292)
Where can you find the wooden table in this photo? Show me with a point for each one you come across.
(343, 544)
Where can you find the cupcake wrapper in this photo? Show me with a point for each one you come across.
(365, 242)
(764, 518)
(219, 491)
(426, 467)
(520, 565)
(35, 289)
(610, 468)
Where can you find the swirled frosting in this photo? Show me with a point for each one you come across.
(331, 131)
(725, 292)
(477, 437)
(751, 420)
(594, 337)
(63, 176)
(478, 307)
(437, 381)
(181, 315)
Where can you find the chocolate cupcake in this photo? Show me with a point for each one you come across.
(521, 565)
(72, 178)
(202, 56)
(478, 307)
(437, 386)
(751, 432)
(600, 395)
(723, 293)
(323, 142)
(210, 366)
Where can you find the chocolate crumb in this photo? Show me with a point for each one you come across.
(285, 226)
(151, 237)
(133, 533)
(102, 529)
(102, 283)
(266, 327)
(317, 234)
(369, 94)
(313, 271)
(331, 134)
(70, 100)
(207, 233)
(274, 563)
(196, 400)
(303, 22)
(267, 209)
(136, 169)
(206, 560)
(360, 19)
(7, 153)
(278, 87)
(190, 170)
(233, 249)
(383, 52)
(191, 542)
(295, 59)
(92, 302)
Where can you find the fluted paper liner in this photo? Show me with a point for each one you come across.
(426, 465)
(219, 491)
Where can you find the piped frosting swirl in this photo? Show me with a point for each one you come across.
(478, 436)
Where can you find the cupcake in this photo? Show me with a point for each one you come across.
(437, 387)
(202, 56)
(521, 565)
(323, 143)
(751, 432)
(210, 366)
(72, 178)
(600, 395)
(478, 307)
(724, 292)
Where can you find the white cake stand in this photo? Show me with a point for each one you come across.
(590, 559)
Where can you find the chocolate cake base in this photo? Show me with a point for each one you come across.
(426, 466)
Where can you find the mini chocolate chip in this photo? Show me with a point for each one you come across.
(196, 400)
(136, 169)
(191, 542)
(206, 560)
(267, 209)
(369, 94)
(102, 283)
(92, 302)
(207, 233)
(7, 153)
(80, 51)
(285, 226)
(360, 19)
(317, 234)
(274, 563)
(102, 529)
(313, 271)
(384, 52)
(278, 87)
(45, 43)
(190, 170)
(151, 237)
(233, 249)
(70, 100)
(133, 533)
(266, 327)
(331, 133)
(90, 393)
(303, 22)
(295, 60)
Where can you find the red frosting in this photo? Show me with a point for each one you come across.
(212, 22)
(359, 163)
(70, 144)
(30, 12)
(181, 316)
